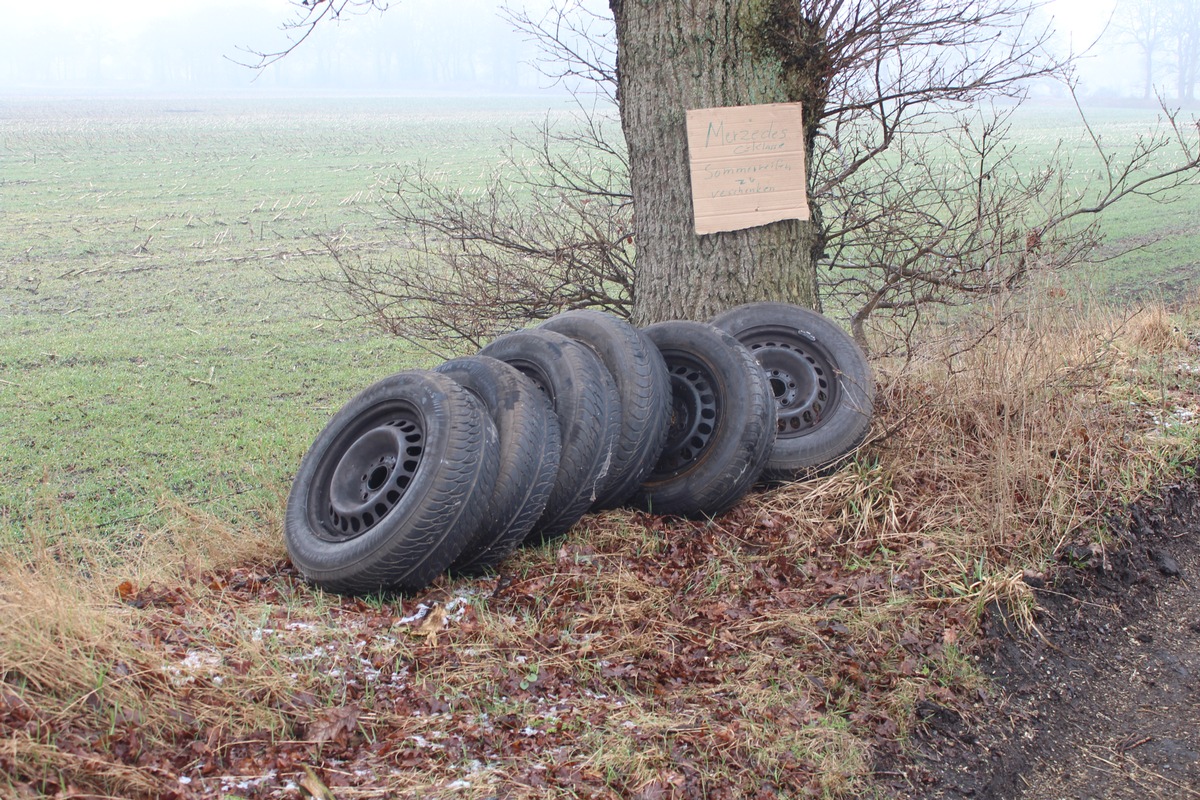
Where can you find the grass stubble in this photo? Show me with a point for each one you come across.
(154, 645)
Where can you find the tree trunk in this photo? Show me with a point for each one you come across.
(1148, 86)
(675, 55)
(1186, 27)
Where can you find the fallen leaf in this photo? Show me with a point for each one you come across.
(433, 622)
(334, 724)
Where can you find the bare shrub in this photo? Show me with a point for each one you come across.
(958, 215)
(924, 195)
(550, 231)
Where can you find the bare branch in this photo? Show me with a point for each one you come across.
(308, 15)
(577, 46)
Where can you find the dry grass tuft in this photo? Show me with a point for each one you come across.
(1153, 330)
(1010, 445)
(94, 680)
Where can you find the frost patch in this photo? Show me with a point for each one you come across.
(1180, 415)
(196, 664)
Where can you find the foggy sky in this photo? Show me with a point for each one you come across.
(417, 46)
(192, 45)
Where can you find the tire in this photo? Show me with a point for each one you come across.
(394, 487)
(722, 422)
(643, 390)
(584, 400)
(820, 380)
(529, 454)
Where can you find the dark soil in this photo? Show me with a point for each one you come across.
(1105, 703)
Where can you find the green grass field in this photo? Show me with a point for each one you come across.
(147, 346)
(1153, 246)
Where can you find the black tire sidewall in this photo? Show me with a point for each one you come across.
(585, 404)
(529, 454)
(643, 390)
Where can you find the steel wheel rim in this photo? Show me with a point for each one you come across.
(361, 481)
(695, 409)
(802, 377)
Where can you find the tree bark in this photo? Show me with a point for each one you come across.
(675, 55)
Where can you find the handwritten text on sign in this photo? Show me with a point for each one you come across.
(747, 165)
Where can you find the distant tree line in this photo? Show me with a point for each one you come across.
(1167, 34)
(418, 47)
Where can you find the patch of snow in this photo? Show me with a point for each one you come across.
(320, 651)
(196, 663)
(420, 613)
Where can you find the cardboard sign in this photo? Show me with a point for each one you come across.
(747, 165)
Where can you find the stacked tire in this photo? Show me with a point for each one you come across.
(452, 469)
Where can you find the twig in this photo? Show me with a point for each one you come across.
(1183, 789)
(211, 371)
(1138, 743)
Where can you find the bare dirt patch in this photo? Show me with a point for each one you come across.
(1106, 702)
